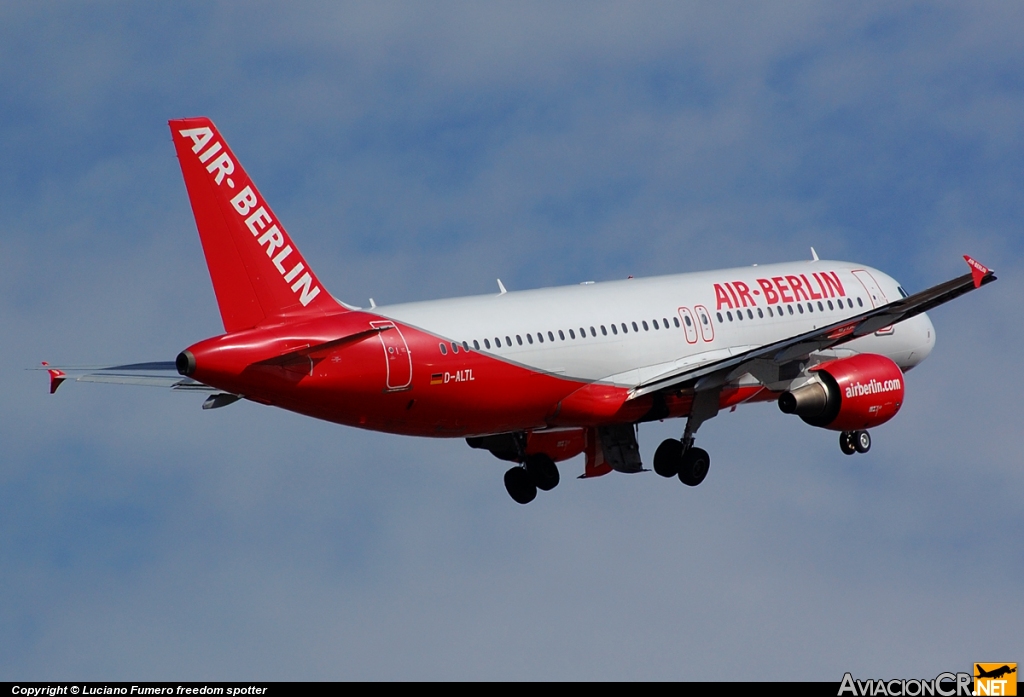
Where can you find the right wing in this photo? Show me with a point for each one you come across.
(802, 345)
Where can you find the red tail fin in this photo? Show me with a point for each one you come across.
(257, 271)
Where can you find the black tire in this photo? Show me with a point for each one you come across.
(862, 441)
(667, 457)
(694, 466)
(846, 442)
(543, 471)
(519, 485)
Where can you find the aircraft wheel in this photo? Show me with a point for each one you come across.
(694, 466)
(520, 486)
(543, 471)
(862, 441)
(846, 443)
(667, 457)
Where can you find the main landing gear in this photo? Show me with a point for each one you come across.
(679, 458)
(690, 464)
(537, 472)
(851, 442)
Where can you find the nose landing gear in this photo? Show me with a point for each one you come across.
(851, 442)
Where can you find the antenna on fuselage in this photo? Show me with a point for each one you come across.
(501, 287)
(814, 255)
(372, 304)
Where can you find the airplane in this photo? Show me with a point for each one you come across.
(996, 673)
(537, 377)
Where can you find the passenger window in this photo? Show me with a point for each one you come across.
(729, 315)
(790, 308)
(540, 337)
(561, 335)
(519, 340)
(583, 333)
(551, 336)
(604, 332)
(655, 323)
(529, 338)
(800, 308)
(830, 305)
(615, 330)
(508, 341)
(820, 306)
(455, 347)
(810, 307)
(635, 328)
(665, 322)
(739, 314)
(487, 344)
(465, 345)
(444, 349)
(760, 314)
(688, 323)
(676, 320)
(750, 315)
(646, 328)
(572, 334)
(625, 329)
(593, 332)
(476, 344)
(719, 316)
(860, 302)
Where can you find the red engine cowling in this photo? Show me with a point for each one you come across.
(850, 394)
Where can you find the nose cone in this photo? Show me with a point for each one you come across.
(923, 333)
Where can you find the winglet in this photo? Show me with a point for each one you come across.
(978, 272)
(56, 377)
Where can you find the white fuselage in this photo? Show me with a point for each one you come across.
(625, 332)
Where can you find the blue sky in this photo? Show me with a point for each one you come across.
(420, 151)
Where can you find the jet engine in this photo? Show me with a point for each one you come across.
(848, 394)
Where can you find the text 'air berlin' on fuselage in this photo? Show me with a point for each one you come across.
(786, 289)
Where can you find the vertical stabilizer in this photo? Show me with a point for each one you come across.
(258, 273)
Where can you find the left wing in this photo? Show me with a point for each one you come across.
(802, 345)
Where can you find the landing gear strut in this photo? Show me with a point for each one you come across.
(679, 458)
(851, 442)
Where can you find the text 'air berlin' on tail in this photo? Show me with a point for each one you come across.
(258, 274)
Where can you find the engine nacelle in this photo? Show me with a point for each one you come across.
(848, 394)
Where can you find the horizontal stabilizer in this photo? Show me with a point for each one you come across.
(153, 374)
